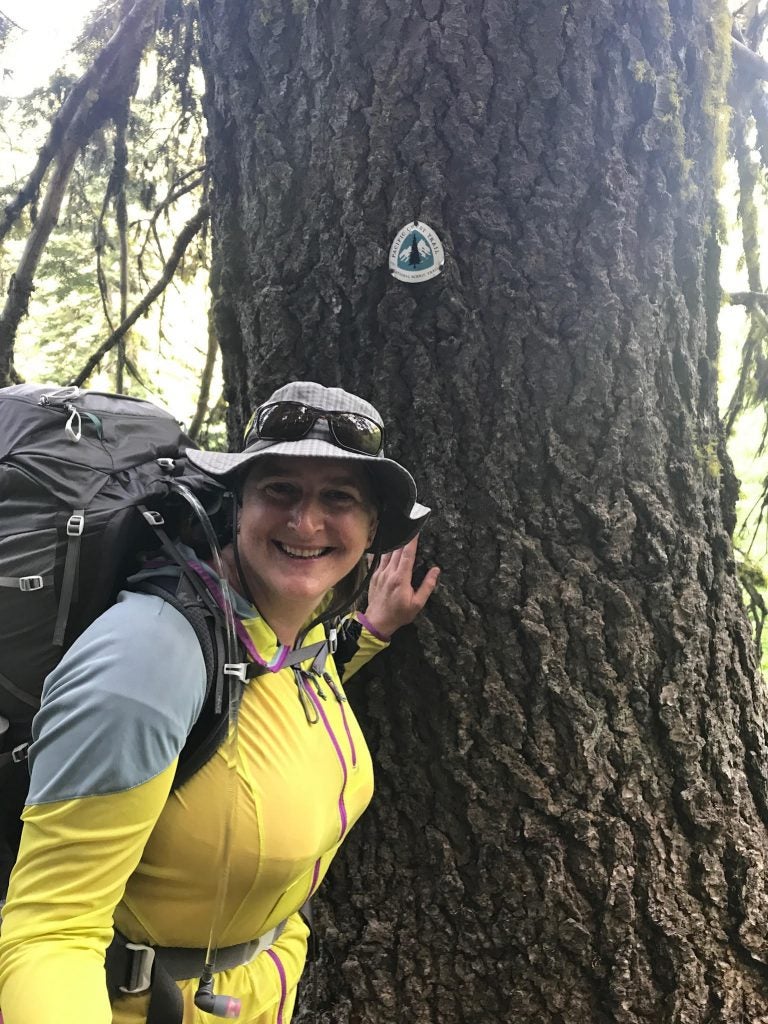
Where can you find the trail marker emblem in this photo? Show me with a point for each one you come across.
(416, 253)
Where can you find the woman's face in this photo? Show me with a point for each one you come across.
(304, 524)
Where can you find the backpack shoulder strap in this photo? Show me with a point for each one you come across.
(348, 643)
(210, 729)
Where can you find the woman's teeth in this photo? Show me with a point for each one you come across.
(301, 552)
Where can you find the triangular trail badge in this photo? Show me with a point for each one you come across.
(416, 253)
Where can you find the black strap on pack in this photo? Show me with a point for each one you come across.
(347, 644)
(134, 968)
(210, 729)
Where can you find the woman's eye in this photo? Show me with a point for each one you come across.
(279, 490)
(340, 497)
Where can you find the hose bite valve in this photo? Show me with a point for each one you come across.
(219, 1006)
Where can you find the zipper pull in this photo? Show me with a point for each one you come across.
(337, 693)
(310, 711)
(318, 688)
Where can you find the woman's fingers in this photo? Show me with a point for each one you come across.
(385, 560)
(428, 584)
(393, 601)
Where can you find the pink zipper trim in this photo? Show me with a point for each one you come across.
(312, 884)
(283, 983)
(349, 735)
(328, 728)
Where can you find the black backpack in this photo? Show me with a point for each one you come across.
(87, 480)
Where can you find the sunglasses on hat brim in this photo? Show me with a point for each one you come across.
(291, 421)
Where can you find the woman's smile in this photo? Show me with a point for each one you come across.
(304, 525)
(294, 552)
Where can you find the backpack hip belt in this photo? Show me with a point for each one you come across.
(141, 960)
(133, 968)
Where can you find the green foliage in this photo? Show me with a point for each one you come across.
(77, 300)
(7, 27)
(751, 535)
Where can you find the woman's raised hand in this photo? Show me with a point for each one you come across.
(392, 600)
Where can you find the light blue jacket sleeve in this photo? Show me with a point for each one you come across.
(117, 709)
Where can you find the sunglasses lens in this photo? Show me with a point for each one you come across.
(284, 421)
(357, 433)
(291, 421)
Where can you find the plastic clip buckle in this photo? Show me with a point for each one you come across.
(167, 464)
(333, 640)
(19, 754)
(73, 426)
(140, 974)
(154, 518)
(233, 668)
(28, 583)
(75, 525)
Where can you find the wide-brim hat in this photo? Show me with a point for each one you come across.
(400, 515)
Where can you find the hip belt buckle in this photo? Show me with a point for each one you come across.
(140, 973)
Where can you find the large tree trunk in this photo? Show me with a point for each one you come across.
(571, 753)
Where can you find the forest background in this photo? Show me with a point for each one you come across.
(141, 178)
(571, 744)
(131, 192)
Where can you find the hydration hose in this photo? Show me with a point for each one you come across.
(205, 998)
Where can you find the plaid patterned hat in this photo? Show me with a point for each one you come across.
(401, 516)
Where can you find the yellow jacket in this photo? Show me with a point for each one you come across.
(105, 837)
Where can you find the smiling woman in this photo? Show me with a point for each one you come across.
(317, 478)
(304, 526)
(106, 836)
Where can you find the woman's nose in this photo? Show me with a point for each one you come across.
(306, 517)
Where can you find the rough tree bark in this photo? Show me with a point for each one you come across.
(570, 823)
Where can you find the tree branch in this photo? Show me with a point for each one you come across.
(749, 61)
(205, 380)
(9, 21)
(745, 92)
(95, 107)
(748, 299)
(176, 192)
(750, 357)
(101, 277)
(121, 219)
(82, 94)
(189, 231)
(21, 286)
(747, 211)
